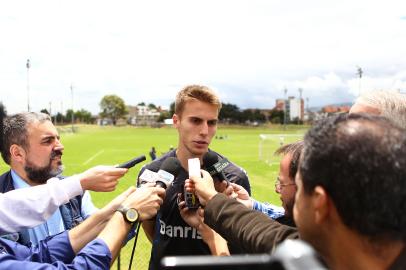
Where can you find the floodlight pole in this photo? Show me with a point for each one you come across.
(28, 65)
(72, 116)
(359, 73)
(284, 107)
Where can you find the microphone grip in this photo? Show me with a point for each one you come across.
(160, 184)
(132, 162)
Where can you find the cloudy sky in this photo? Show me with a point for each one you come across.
(246, 50)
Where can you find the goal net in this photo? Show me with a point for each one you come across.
(268, 143)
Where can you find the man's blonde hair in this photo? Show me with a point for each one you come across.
(195, 92)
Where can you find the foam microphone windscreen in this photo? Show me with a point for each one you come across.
(171, 165)
(209, 159)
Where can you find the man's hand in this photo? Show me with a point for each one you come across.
(146, 200)
(101, 178)
(202, 187)
(221, 186)
(190, 216)
(239, 193)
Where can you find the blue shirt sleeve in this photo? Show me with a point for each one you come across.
(54, 253)
(270, 210)
(88, 207)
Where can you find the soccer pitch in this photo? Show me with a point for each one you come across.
(94, 145)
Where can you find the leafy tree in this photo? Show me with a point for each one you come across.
(171, 109)
(276, 117)
(230, 113)
(141, 104)
(83, 116)
(69, 114)
(112, 106)
(60, 118)
(45, 111)
(163, 116)
(152, 106)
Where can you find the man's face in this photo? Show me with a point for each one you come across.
(303, 214)
(43, 156)
(196, 125)
(287, 187)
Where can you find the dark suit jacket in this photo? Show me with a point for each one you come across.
(252, 230)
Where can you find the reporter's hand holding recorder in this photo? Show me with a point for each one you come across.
(203, 187)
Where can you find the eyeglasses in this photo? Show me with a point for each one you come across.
(279, 186)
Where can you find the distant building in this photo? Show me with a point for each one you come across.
(293, 108)
(142, 115)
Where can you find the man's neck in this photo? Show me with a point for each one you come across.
(22, 174)
(351, 251)
(183, 155)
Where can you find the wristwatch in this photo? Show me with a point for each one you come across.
(130, 214)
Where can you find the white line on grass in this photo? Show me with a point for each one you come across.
(93, 157)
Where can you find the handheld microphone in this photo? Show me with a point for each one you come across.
(167, 173)
(132, 162)
(215, 166)
(191, 200)
(147, 176)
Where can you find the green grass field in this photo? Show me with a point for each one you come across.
(93, 145)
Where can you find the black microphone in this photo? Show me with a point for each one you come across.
(215, 165)
(168, 171)
(132, 162)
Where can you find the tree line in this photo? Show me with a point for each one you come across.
(114, 107)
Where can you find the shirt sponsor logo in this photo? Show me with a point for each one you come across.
(178, 231)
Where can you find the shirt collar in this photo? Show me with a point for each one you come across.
(18, 182)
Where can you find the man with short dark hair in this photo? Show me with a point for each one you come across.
(350, 201)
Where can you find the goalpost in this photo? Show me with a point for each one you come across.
(268, 143)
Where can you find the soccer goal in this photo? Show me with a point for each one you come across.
(268, 143)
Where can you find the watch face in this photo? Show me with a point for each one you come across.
(132, 215)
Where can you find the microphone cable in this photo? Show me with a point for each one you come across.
(134, 246)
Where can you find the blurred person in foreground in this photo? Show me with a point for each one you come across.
(350, 201)
(389, 104)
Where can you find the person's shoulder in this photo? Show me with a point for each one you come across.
(232, 168)
(156, 164)
(5, 175)
(6, 182)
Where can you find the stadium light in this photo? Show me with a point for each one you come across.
(359, 73)
(284, 107)
(72, 116)
(28, 65)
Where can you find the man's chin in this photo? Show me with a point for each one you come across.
(57, 171)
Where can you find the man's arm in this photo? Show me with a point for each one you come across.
(149, 228)
(239, 225)
(147, 201)
(28, 207)
(58, 251)
(252, 230)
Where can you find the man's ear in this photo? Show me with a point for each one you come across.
(175, 119)
(17, 153)
(320, 201)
